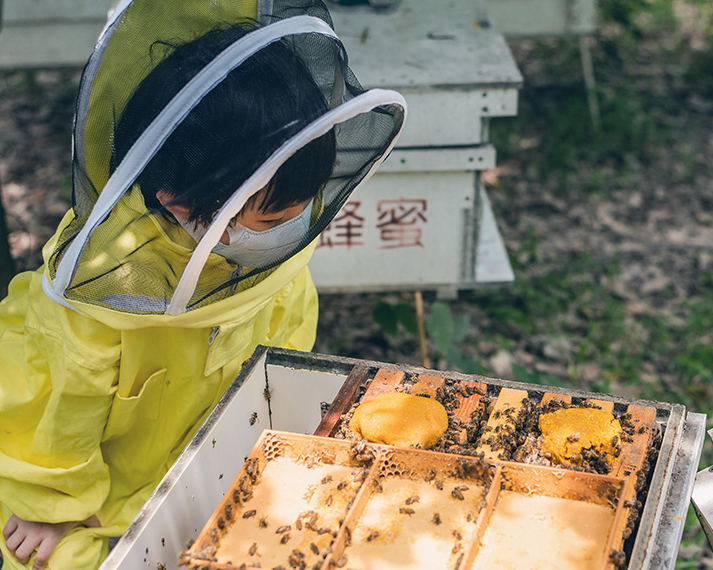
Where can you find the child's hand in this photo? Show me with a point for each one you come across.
(24, 537)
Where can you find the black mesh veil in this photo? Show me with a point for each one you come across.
(208, 102)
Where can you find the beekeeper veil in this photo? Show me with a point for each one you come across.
(215, 104)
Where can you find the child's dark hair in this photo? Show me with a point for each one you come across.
(232, 130)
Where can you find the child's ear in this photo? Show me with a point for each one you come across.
(176, 208)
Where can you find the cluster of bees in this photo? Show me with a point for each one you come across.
(517, 437)
(242, 494)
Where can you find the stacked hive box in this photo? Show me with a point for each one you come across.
(424, 221)
(377, 506)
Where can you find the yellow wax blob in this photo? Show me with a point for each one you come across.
(400, 419)
(569, 431)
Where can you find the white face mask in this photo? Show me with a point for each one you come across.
(251, 248)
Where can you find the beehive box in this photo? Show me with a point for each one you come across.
(303, 393)
(312, 502)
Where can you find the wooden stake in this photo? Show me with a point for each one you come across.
(421, 329)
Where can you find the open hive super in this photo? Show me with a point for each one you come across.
(487, 497)
(311, 502)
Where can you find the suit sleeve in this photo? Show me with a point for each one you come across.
(59, 375)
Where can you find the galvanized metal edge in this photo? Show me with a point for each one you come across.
(671, 526)
(669, 530)
(657, 489)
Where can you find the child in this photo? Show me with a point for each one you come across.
(186, 247)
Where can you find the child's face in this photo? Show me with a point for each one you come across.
(258, 220)
(251, 216)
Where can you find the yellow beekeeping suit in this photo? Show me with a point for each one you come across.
(95, 406)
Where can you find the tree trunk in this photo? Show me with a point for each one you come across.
(7, 265)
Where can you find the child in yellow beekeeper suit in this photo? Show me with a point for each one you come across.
(208, 155)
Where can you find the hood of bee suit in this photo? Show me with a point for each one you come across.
(112, 252)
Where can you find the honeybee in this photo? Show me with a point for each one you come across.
(326, 479)
(439, 484)
(313, 547)
(253, 549)
(253, 418)
(262, 523)
(413, 499)
(283, 528)
(618, 558)
(328, 502)
(436, 518)
(327, 457)
(406, 511)
(358, 446)
(456, 494)
(285, 538)
(248, 514)
(296, 559)
(252, 468)
(372, 535)
(246, 487)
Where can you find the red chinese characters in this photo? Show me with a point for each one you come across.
(399, 223)
(346, 230)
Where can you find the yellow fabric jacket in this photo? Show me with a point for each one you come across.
(96, 405)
